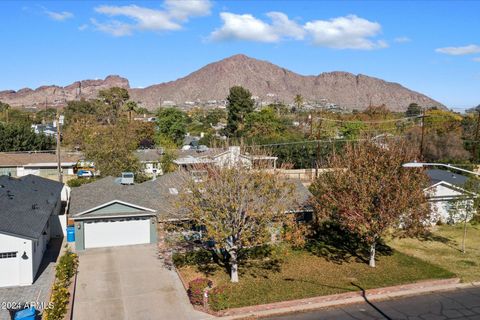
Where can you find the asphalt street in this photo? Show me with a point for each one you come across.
(458, 304)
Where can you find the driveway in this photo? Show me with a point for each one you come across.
(129, 283)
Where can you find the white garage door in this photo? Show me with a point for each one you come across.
(116, 233)
(9, 269)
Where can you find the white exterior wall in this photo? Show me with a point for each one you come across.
(450, 206)
(16, 271)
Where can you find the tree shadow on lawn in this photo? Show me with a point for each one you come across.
(256, 262)
(430, 236)
(339, 246)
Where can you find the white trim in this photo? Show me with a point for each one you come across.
(451, 186)
(133, 215)
(112, 202)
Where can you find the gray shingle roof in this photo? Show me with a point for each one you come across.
(26, 204)
(437, 175)
(151, 194)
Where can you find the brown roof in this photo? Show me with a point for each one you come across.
(16, 159)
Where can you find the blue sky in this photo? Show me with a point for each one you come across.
(431, 47)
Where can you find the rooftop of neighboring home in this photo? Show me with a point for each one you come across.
(26, 204)
(20, 159)
(437, 175)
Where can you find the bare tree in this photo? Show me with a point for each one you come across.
(371, 194)
(239, 207)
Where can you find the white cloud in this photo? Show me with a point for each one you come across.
(402, 39)
(114, 27)
(83, 27)
(59, 16)
(147, 19)
(183, 10)
(349, 32)
(247, 27)
(459, 51)
(476, 59)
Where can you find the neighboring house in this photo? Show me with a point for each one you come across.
(108, 213)
(449, 201)
(224, 158)
(150, 161)
(30, 215)
(41, 163)
(48, 129)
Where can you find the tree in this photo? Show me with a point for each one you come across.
(298, 100)
(113, 100)
(413, 110)
(370, 194)
(172, 124)
(130, 106)
(5, 107)
(111, 148)
(239, 105)
(239, 208)
(20, 137)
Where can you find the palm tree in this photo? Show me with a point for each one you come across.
(298, 101)
(130, 106)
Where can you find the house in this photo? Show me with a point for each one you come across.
(150, 160)
(30, 215)
(224, 158)
(46, 129)
(449, 201)
(39, 163)
(109, 213)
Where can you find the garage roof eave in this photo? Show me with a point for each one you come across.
(115, 216)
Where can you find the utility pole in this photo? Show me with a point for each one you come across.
(59, 164)
(423, 134)
(317, 162)
(477, 135)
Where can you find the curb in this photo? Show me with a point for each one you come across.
(309, 304)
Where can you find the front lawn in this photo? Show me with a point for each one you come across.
(294, 274)
(443, 248)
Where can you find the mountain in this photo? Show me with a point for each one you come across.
(265, 80)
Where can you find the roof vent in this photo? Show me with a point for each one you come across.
(127, 178)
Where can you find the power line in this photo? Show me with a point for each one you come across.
(371, 121)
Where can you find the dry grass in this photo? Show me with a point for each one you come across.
(300, 274)
(443, 248)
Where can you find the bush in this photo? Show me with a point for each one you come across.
(64, 271)
(196, 290)
(77, 182)
(218, 298)
(199, 257)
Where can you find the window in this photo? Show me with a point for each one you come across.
(6, 255)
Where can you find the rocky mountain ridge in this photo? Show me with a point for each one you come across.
(210, 84)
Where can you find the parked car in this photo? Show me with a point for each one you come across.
(84, 174)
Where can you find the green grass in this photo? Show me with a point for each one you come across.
(443, 248)
(296, 274)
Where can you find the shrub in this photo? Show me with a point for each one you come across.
(196, 290)
(218, 298)
(64, 271)
(198, 257)
(77, 182)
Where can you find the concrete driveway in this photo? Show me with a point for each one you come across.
(129, 283)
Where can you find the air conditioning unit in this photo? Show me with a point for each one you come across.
(127, 178)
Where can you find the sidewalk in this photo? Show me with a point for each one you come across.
(301, 305)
